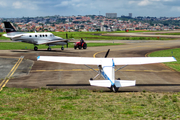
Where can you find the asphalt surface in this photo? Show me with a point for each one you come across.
(153, 77)
(6, 65)
(145, 34)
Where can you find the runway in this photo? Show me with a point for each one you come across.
(154, 77)
(145, 34)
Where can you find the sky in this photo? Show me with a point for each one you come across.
(34, 8)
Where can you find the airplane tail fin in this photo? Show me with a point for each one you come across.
(9, 28)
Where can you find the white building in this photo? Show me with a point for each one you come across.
(111, 15)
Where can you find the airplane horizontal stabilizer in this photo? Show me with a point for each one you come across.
(125, 83)
(14, 36)
(100, 83)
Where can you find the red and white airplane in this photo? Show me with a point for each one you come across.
(34, 38)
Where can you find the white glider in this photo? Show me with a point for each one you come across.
(107, 67)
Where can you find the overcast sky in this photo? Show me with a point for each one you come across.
(33, 8)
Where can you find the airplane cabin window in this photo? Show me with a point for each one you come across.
(43, 35)
(35, 35)
(46, 35)
(30, 36)
(40, 35)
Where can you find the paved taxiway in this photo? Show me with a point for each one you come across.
(154, 77)
(145, 34)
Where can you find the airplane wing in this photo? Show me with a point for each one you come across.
(71, 60)
(100, 61)
(41, 42)
(142, 60)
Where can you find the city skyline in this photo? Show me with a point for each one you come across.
(33, 8)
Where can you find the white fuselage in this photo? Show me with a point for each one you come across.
(108, 71)
(34, 38)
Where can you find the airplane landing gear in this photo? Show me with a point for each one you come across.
(35, 48)
(62, 48)
(49, 49)
(114, 88)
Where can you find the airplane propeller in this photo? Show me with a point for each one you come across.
(107, 53)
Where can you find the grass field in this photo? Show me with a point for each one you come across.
(21, 45)
(96, 36)
(168, 53)
(41, 104)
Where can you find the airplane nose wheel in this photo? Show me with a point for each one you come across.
(49, 49)
(62, 48)
(35, 48)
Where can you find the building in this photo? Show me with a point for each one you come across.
(130, 15)
(111, 15)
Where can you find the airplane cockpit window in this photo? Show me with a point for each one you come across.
(51, 35)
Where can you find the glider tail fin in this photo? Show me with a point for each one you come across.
(9, 28)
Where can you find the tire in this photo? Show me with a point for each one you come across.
(79, 47)
(114, 89)
(35, 48)
(49, 49)
(75, 47)
(62, 48)
(84, 46)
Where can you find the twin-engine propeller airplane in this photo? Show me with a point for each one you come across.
(34, 38)
(107, 67)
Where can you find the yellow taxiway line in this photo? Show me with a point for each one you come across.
(6, 79)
